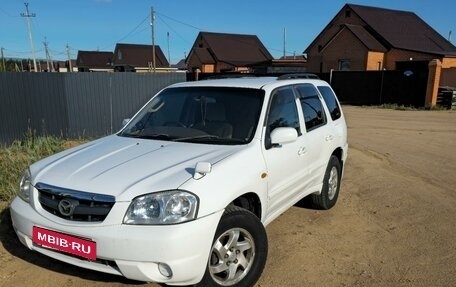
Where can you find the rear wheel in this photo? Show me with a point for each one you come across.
(331, 184)
(238, 252)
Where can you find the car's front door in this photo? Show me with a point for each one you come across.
(286, 163)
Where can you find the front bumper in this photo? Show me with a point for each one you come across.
(133, 251)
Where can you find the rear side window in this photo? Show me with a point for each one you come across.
(330, 101)
(314, 114)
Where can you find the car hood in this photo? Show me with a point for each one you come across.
(126, 167)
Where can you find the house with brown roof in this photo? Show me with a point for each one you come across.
(369, 38)
(181, 65)
(64, 66)
(139, 58)
(283, 65)
(363, 38)
(94, 61)
(221, 52)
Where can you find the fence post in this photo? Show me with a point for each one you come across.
(435, 68)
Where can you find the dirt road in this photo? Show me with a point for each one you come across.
(394, 224)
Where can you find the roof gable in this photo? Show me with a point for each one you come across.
(390, 28)
(136, 55)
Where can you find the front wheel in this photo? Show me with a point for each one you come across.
(331, 184)
(238, 252)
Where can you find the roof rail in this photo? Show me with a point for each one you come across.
(298, 76)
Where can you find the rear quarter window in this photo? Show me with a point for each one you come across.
(314, 114)
(330, 101)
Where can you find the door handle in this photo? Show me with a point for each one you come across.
(329, 138)
(302, 150)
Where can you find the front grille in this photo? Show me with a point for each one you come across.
(74, 205)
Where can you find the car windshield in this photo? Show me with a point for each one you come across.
(214, 115)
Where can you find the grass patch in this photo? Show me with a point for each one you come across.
(14, 159)
(398, 107)
(409, 108)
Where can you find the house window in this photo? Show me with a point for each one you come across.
(208, 68)
(344, 65)
(119, 55)
(347, 13)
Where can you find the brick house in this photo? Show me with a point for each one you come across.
(94, 61)
(138, 58)
(361, 38)
(220, 52)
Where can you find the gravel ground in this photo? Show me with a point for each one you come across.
(394, 224)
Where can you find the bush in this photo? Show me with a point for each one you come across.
(15, 158)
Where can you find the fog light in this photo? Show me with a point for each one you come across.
(165, 270)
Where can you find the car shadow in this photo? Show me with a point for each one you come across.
(12, 245)
(306, 203)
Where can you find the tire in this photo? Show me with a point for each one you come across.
(239, 250)
(331, 184)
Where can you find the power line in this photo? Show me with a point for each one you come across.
(201, 29)
(134, 29)
(57, 53)
(175, 32)
(180, 22)
(130, 33)
(7, 14)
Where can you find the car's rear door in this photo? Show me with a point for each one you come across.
(319, 133)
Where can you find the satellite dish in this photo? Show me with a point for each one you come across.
(408, 73)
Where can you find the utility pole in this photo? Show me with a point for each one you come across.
(152, 19)
(50, 65)
(169, 54)
(3, 61)
(284, 41)
(28, 16)
(69, 58)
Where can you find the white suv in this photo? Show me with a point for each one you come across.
(182, 194)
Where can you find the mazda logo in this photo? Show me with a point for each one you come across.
(67, 206)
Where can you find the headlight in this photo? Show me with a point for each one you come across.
(25, 186)
(169, 207)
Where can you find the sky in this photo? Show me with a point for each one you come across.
(99, 24)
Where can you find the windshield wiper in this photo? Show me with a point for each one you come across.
(211, 139)
(151, 136)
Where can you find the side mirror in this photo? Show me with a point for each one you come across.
(201, 169)
(125, 122)
(280, 136)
